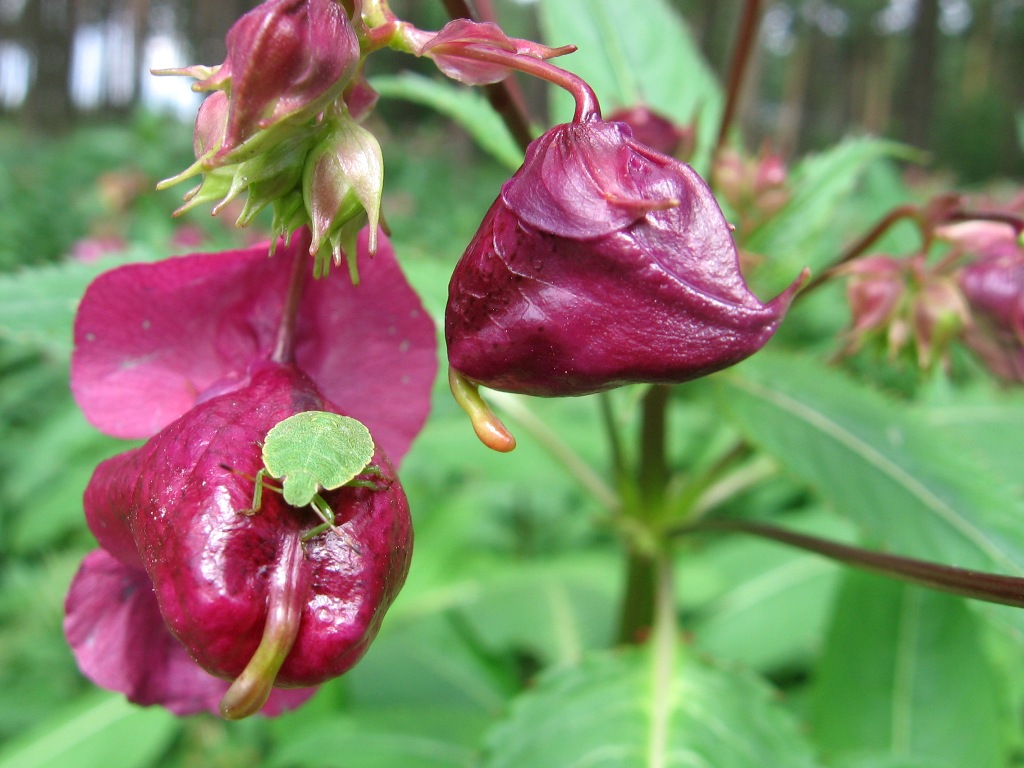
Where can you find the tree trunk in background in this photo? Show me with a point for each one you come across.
(208, 22)
(46, 29)
(920, 78)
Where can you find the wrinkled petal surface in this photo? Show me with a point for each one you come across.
(601, 263)
(180, 499)
(121, 643)
(152, 340)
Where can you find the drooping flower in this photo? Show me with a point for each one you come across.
(180, 351)
(601, 263)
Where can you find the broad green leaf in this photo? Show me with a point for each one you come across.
(100, 731)
(987, 426)
(655, 707)
(804, 233)
(431, 661)
(37, 306)
(877, 464)
(380, 737)
(741, 585)
(633, 54)
(463, 105)
(905, 680)
(316, 449)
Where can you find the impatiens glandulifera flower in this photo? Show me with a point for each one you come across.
(183, 350)
(243, 593)
(287, 60)
(601, 263)
(994, 288)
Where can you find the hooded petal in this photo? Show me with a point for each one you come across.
(152, 340)
(602, 263)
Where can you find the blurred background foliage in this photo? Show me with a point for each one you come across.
(511, 574)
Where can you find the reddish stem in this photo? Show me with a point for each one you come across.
(505, 96)
(979, 585)
(745, 35)
(284, 345)
(587, 106)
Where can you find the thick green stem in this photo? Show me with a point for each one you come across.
(644, 564)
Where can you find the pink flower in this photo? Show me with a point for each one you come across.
(180, 352)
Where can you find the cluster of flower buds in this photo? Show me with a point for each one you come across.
(973, 292)
(907, 303)
(281, 126)
(755, 188)
(195, 585)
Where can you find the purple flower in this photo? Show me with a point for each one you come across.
(185, 587)
(601, 263)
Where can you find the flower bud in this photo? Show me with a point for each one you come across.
(342, 185)
(451, 49)
(601, 263)
(905, 302)
(286, 59)
(655, 130)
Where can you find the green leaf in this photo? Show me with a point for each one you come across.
(877, 464)
(384, 737)
(463, 105)
(905, 681)
(740, 585)
(37, 306)
(804, 232)
(634, 54)
(316, 449)
(648, 707)
(100, 731)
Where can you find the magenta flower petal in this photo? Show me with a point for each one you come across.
(120, 641)
(152, 340)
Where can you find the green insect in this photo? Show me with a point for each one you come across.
(311, 452)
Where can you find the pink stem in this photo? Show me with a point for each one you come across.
(284, 345)
(587, 106)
